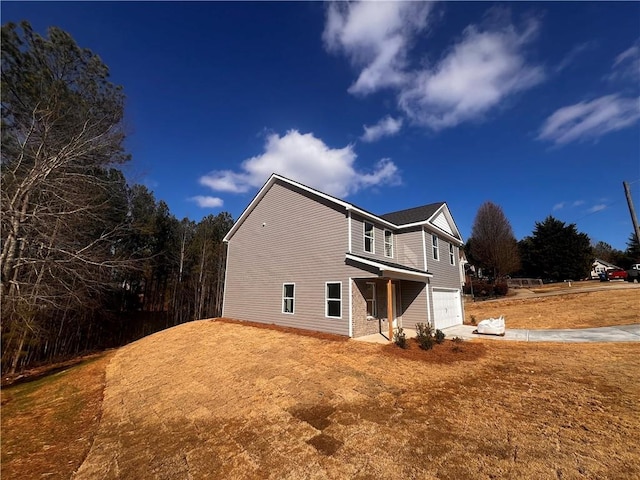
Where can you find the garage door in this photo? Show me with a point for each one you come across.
(447, 310)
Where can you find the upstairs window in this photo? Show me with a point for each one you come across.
(288, 297)
(452, 256)
(434, 245)
(372, 307)
(388, 243)
(369, 244)
(333, 299)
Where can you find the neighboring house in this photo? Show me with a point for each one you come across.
(600, 266)
(300, 258)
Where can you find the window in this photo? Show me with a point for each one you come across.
(388, 243)
(288, 297)
(372, 307)
(434, 243)
(452, 257)
(369, 245)
(333, 292)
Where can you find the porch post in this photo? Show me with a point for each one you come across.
(390, 309)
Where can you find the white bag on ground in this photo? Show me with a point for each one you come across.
(492, 326)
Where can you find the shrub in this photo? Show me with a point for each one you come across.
(457, 344)
(400, 338)
(424, 336)
(440, 336)
(501, 289)
(482, 288)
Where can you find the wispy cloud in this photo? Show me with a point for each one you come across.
(386, 127)
(590, 120)
(626, 66)
(484, 68)
(307, 159)
(573, 55)
(375, 36)
(558, 206)
(480, 72)
(577, 203)
(597, 208)
(205, 201)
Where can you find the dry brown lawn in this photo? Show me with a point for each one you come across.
(579, 310)
(219, 400)
(215, 399)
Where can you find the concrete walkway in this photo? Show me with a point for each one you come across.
(622, 333)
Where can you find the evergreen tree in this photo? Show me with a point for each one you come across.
(556, 251)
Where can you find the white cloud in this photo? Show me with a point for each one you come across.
(482, 70)
(590, 120)
(577, 203)
(627, 64)
(478, 73)
(375, 36)
(386, 127)
(207, 201)
(307, 159)
(558, 206)
(597, 208)
(573, 54)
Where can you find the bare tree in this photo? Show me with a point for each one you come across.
(63, 203)
(492, 244)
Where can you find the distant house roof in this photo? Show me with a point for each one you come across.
(606, 264)
(413, 215)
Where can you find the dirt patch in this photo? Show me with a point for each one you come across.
(579, 310)
(325, 444)
(48, 424)
(218, 400)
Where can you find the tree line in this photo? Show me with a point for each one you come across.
(87, 260)
(555, 251)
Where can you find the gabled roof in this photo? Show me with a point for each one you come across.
(413, 215)
(440, 209)
(606, 264)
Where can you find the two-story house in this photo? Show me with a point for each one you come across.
(298, 257)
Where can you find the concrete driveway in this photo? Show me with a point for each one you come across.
(621, 333)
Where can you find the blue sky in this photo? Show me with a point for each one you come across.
(533, 106)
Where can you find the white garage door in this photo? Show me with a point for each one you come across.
(447, 310)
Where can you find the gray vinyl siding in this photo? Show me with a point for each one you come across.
(445, 275)
(303, 241)
(408, 249)
(414, 304)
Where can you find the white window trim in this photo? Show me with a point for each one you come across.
(286, 298)
(390, 243)
(452, 254)
(374, 300)
(373, 237)
(326, 299)
(435, 248)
